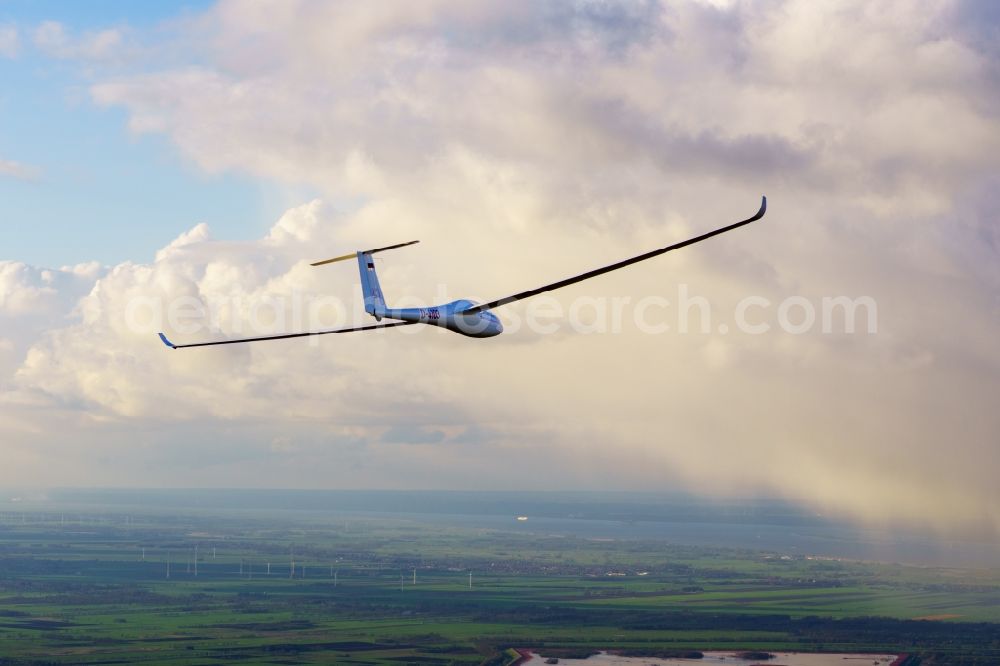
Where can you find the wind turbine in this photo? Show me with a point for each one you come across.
(475, 320)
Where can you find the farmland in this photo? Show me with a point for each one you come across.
(115, 584)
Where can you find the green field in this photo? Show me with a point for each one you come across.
(93, 588)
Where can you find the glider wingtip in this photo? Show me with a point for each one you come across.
(168, 343)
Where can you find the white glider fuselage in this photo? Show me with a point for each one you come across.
(452, 316)
(483, 324)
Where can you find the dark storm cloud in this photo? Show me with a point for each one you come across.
(545, 28)
(410, 435)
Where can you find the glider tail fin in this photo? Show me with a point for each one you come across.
(374, 300)
(370, 288)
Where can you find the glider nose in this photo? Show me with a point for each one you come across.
(493, 329)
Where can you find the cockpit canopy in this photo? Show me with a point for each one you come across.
(458, 306)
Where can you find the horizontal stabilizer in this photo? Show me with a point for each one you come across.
(330, 261)
(354, 254)
(390, 247)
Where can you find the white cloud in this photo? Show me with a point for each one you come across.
(693, 89)
(529, 141)
(18, 170)
(34, 300)
(53, 39)
(9, 41)
(29, 290)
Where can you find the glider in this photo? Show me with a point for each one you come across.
(475, 320)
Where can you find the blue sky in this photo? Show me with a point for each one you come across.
(97, 13)
(101, 193)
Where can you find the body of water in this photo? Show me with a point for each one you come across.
(730, 659)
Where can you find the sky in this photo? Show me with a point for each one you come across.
(177, 166)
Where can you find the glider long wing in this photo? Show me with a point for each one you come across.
(613, 267)
(284, 337)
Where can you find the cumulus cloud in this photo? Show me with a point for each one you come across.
(26, 289)
(525, 142)
(34, 300)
